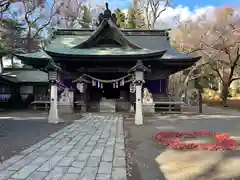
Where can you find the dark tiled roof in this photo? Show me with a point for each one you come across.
(146, 39)
(21, 76)
(2, 52)
(158, 43)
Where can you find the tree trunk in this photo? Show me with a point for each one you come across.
(185, 88)
(153, 23)
(220, 86)
(224, 94)
(200, 100)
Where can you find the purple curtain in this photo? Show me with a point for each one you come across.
(156, 86)
(69, 83)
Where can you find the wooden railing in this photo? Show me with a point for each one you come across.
(168, 103)
(167, 99)
(41, 102)
(42, 98)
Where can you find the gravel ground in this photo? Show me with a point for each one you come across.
(17, 135)
(148, 160)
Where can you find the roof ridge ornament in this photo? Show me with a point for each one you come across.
(106, 15)
(139, 67)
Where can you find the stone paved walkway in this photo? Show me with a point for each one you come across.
(89, 149)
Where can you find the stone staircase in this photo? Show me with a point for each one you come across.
(107, 105)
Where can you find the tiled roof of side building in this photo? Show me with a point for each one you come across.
(25, 76)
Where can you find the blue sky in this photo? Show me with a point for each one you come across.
(201, 3)
(191, 4)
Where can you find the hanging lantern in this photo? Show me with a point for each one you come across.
(116, 84)
(132, 88)
(52, 75)
(81, 87)
(99, 84)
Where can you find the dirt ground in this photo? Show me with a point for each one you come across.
(148, 160)
(16, 136)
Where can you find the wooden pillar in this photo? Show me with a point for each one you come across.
(1, 64)
(71, 96)
(83, 88)
(53, 112)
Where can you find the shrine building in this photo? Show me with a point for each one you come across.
(95, 65)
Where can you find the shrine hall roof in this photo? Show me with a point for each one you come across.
(150, 40)
(64, 41)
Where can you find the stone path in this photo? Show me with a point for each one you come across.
(89, 149)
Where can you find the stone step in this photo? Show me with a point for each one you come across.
(107, 105)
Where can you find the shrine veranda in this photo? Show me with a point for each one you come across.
(96, 65)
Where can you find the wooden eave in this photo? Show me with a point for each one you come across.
(78, 57)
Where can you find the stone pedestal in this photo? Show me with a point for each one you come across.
(83, 108)
(65, 105)
(65, 108)
(149, 108)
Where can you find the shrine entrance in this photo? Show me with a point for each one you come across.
(109, 92)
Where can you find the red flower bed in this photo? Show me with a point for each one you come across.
(223, 140)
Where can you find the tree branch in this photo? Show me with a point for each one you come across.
(168, 2)
(234, 79)
(4, 5)
(45, 25)
(48, 22)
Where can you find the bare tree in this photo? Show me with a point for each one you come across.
(74, 13)
(35, 25)
(4, 4)
(217, 40)
(29, 26)
(152, 10)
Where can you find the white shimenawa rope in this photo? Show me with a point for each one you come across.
(107, 81)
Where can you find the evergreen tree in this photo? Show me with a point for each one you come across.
(86, 17)
(120, 18)
(131, 24)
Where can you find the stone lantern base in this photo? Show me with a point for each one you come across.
(149, 108)
(65, 108)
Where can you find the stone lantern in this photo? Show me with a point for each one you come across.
(138, 71)
(53, 76)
